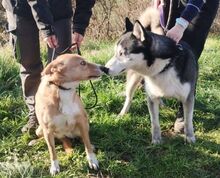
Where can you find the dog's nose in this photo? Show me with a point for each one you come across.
(104, 69)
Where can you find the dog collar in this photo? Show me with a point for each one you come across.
(59, 86)
(170, 64)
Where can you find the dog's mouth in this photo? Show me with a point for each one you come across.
(122, 70)
(94, 76)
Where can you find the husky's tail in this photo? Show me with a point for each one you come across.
(150, 19)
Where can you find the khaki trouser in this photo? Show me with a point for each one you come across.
(26, 45)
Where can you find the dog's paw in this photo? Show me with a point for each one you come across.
(33, 142)
(93, 162)
(120, 115)
(190, 139)
(157, 141)
(156, 136)
(55, 168)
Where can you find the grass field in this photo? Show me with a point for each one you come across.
(123, 145)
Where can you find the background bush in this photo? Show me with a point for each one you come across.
(108, 17)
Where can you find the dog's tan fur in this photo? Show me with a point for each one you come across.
(60, 112)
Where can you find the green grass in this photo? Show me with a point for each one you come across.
(123, 145)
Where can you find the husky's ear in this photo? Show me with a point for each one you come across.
(128, 25)
(139, 31)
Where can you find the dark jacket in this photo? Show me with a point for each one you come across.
(45, 12)
(188, 9)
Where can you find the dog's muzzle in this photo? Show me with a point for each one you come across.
(104, 69)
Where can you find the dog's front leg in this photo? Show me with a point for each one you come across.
(91, 157)
(132, 81)
(49, 138)
(153, 107)
(188, 107)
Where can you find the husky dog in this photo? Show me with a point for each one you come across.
(150, 19)
(169, 70)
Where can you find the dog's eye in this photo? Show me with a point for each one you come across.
(120, 53)
(83, 63)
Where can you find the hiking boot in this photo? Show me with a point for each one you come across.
(30, 126)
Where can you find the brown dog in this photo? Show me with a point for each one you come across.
(59, 109)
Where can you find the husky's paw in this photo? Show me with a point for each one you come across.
(156, 136)
(121, 114)
(157, 141)
(93, 162)
(190, 139)
(54, 168)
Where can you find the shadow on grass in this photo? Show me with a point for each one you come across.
(204, 113)
(128, 152)
(209, 123)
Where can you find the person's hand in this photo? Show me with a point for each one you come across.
(176, 33)
(51, 41)
(77, 38)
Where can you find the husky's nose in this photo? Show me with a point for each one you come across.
(104, 69)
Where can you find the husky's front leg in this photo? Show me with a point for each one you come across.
(188, 107)
(132, 81)
(153, 107)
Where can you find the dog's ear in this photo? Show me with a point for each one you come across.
(47, 70)
(53, 68)
(140, 32)
(59, 68)
(128, 25)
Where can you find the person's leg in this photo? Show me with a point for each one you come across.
(197, 32)
(27, 52)
(195, 36)
(64, 36)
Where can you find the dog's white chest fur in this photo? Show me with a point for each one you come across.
(167, 85)
(65, 122)
(66, 105)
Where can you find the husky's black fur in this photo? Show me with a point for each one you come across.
(159, 46)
